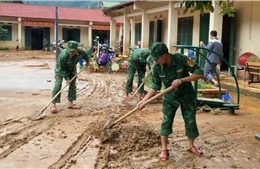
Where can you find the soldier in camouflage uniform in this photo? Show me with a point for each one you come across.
(66, 68)
(173, 70)
(90, 53)
(137, 62)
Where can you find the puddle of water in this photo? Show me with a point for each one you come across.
(17, 77)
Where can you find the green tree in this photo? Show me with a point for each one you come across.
(225, 5)
(9, 1)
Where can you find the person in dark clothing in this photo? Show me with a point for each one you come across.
(216, 46)
(17, 44)
(121, 45)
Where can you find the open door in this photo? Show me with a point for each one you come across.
(232, 41)
(151, 33)
(228, 31)
(138, 27)
(28, 38)
(204, 34)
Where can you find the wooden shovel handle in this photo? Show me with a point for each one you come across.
(60, 91)
(145, 103)
(141, 84)
(137, 90)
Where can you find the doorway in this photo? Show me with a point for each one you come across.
(204, 35)
(37, 37)
(228, 39)
(34, 37)
(103, 35)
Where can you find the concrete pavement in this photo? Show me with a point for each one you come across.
(246, 89)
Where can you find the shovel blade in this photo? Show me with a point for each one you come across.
(105, 135)
(107, 124)
(37, 115)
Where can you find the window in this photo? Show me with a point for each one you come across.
(70, 34)
(8, 34)
(185, 28)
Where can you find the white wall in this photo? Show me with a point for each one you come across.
(84, 36)
(10, 44)
(247, 29)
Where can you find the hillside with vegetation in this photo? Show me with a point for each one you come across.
(70, 3)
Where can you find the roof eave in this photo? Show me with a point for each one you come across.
(117, 7)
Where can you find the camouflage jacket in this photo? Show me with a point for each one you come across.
(139, 55)
(66, 65)
(180, 67)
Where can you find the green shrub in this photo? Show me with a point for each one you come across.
(204, 85)
(4, 48)
(201, 84)
(149, 82)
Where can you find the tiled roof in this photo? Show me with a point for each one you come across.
(48, 12)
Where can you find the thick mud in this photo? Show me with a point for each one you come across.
(73, 138)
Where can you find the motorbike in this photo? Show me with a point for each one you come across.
(60, 46)
(106, 54)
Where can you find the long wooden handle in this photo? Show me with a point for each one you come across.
(61, 91)
(137, 90)
(141, 85)
(145, 103)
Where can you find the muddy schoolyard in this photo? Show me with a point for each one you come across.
(71, 138)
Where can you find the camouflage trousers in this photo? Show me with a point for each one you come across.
(57, 87)
(188, 114)
(133, 67)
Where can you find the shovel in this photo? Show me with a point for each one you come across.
(39, 115)
(137, 90)
(110, 124)
(141, 84)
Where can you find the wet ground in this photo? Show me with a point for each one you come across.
(71, 138)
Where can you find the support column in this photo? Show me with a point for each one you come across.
(155, 31)
(172, 28)
(112, 40)
(216, 20)
(20, 33)
(145, 30)
(90, 40)
(121, 31)
(126, 40)
(56, 28)
(196, 29)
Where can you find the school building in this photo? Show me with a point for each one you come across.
(146, 22)
(30, 23)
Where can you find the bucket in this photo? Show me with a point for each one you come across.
(247, 57)
(190, 53)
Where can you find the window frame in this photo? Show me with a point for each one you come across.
(9, 33)
(185, 30)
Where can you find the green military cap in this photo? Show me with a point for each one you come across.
(145, 53)
(156, 50)
(72, 45)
